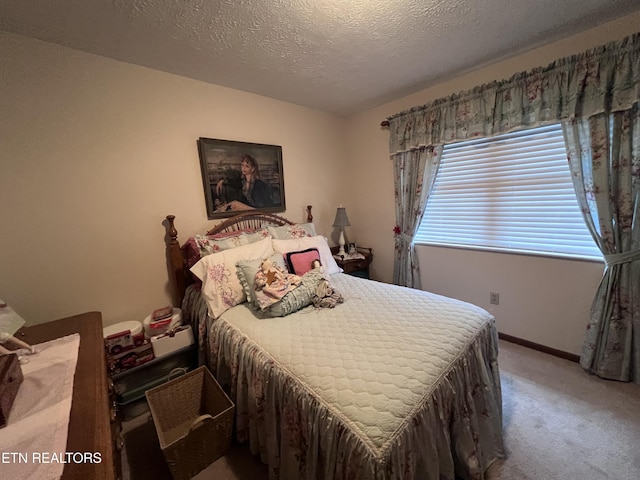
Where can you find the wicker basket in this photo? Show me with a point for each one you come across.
(194, 420)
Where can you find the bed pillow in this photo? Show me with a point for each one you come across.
(221, 286)
(199, 246)
(301, 262)
(209, 244)
(298, 230)
(246, 271)
(319, 242)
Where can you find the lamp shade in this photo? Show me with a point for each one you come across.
(341, 218)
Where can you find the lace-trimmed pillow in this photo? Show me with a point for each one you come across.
(247, 269)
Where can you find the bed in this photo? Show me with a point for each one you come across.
(393, 383)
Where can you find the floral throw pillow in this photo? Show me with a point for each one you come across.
(214, 244)
(199, 246)
(298, 230)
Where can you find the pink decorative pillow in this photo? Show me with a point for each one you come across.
(298, 244)
(301, 262)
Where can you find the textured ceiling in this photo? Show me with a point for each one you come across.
(342, 56)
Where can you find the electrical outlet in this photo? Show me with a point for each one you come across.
(494, 298)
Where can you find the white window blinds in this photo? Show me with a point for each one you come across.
(510, 192)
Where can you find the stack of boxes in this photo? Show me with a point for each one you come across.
(142, 355)
(126, 346)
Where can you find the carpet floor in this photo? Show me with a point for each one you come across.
(559, 424)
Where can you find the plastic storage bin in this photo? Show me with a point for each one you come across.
(157, 370)
(173, 322)
(194, 421)
(167, 343)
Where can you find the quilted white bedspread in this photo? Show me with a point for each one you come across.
(376, 375)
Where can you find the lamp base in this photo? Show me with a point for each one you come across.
(341, 243)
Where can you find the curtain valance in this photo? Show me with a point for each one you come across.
(601, 80)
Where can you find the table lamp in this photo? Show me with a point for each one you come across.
(341, 221)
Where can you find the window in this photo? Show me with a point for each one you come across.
(512, 193)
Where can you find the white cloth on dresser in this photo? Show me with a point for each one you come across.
(33, 444)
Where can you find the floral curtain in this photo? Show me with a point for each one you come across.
(604, 79)
(599, 82)
(415, 173)
(604, 158)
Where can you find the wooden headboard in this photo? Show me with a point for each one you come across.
(179, 276)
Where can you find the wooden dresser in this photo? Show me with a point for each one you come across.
(90, 427)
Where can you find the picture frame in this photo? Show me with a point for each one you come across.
(226, 165)
(351, 248)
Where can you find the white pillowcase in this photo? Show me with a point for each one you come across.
(221, 286)
(319, 242)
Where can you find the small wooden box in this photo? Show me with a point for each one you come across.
(10, 380)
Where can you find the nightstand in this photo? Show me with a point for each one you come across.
(358, 267)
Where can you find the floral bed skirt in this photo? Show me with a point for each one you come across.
(457, 430)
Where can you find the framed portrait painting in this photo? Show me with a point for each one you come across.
(241, 176)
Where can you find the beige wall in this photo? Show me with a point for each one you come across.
(94, 153)
(541, 300)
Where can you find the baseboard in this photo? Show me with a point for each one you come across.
(541, 348)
